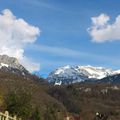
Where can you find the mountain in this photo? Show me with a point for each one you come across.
(17, 83)
(77, 101)
(11, 65)
(68, 74)
(113, 79)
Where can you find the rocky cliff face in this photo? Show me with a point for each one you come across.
(11, 64)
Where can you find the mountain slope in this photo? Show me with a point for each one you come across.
(16, 80)
(12, 83)
(67, 74)
(114, 79)
(88, 99)
(11, 64)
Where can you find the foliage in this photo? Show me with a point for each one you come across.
(1, 100)
(50, 113)
(67, 97)
(55, 101)
(23, 94)
(19, 104)
(87, 99)
(36, 115)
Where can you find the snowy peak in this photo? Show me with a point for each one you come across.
(94, 72)
(62, 70)
(10, 61)
(68, 74)
(116, 72)
(11, 64)
(2, 65)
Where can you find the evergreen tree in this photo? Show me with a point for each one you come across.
(36, 115)
(19, 104)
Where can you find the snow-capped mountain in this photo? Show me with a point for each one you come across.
(11, 64)
(68, 74)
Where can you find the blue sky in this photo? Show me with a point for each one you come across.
(64, 39)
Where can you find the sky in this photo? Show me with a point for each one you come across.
(46, 34)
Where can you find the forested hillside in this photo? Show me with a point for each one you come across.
(32, 98)
(26, 98)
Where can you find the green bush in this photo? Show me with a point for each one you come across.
(18, 103)
(36, 115)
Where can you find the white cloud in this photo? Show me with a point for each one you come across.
(15, 34)
(100, 20)
(67, 52)
(102, 31)
(57, 51)
(72, 56)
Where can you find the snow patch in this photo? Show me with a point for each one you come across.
(68, 74)
(4, 65)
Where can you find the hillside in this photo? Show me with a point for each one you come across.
(35, 87)
(87, 99)
(78, 101)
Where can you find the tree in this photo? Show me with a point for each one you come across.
(50, 113)
(36, 115)
(18, 103)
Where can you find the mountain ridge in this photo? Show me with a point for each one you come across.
(12, 65)
(68, 74)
